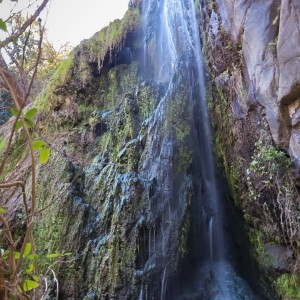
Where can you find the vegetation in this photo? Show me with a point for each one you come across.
(111, 37)
(19, 275)
(270, 183)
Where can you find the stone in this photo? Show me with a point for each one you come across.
(281, 257)
(288, 51)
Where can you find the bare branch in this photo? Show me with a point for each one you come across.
(26, 24)
(37, 62)
(12, 83)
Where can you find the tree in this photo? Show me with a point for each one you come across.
(18, 82)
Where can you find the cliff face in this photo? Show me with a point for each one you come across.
(122, 188)
(120, 194)
(252, 53)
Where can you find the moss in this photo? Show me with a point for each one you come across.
(50, 199)
(117, 82)
(234, 175)
(184, 158)
(288, 286)
(257, 239)
(46, 100)
(147, 101)
(184, 235)
(18, 152)
(112, 36)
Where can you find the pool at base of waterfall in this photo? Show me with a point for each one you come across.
(218, 281)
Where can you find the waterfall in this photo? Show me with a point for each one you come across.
(172, 54)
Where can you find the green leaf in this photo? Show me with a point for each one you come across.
(27, 250)
(29, 269)
(29, 285)
(30, 114)
(35, 277)
(53, 255)
(14, 112)
(3, 210)
(38, 145)
(2, 25)
(67, 254)
(44, 155)
(17, 255)
(32, 256)
(29, 123)
(18, 124)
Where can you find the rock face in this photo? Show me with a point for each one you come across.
(268, 34)
(252, 54)
(122, 184)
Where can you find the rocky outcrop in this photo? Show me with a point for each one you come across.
(120, 197)
(251, 49)
(268, 33)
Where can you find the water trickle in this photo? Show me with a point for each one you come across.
(172, 55)
(163, 285)
(210, 233)
(141, 296)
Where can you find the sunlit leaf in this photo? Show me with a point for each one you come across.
(67, 254)
(14, 112)
(2, 144)
(38, 145)
(18, 125)
(17, 255)
(2, 25)
(30, 114)
(44, 155)
(3, 210)
(53, 255)
(35, 277)
(29, 269)
(29, 285)
(32, 256)
(27, 249)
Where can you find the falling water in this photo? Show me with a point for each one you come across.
(172, 46)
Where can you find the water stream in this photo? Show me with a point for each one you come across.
(172, 47)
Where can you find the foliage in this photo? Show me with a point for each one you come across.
(19, 276)
(24, 52)
(20, 260)
(288, 286)
(271, 186)
(111, 37)
(44, 101)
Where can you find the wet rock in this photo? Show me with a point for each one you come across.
(281, 258)
(288, 51)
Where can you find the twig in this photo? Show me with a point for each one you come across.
(26, 24)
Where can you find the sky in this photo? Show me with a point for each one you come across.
(74, 20)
